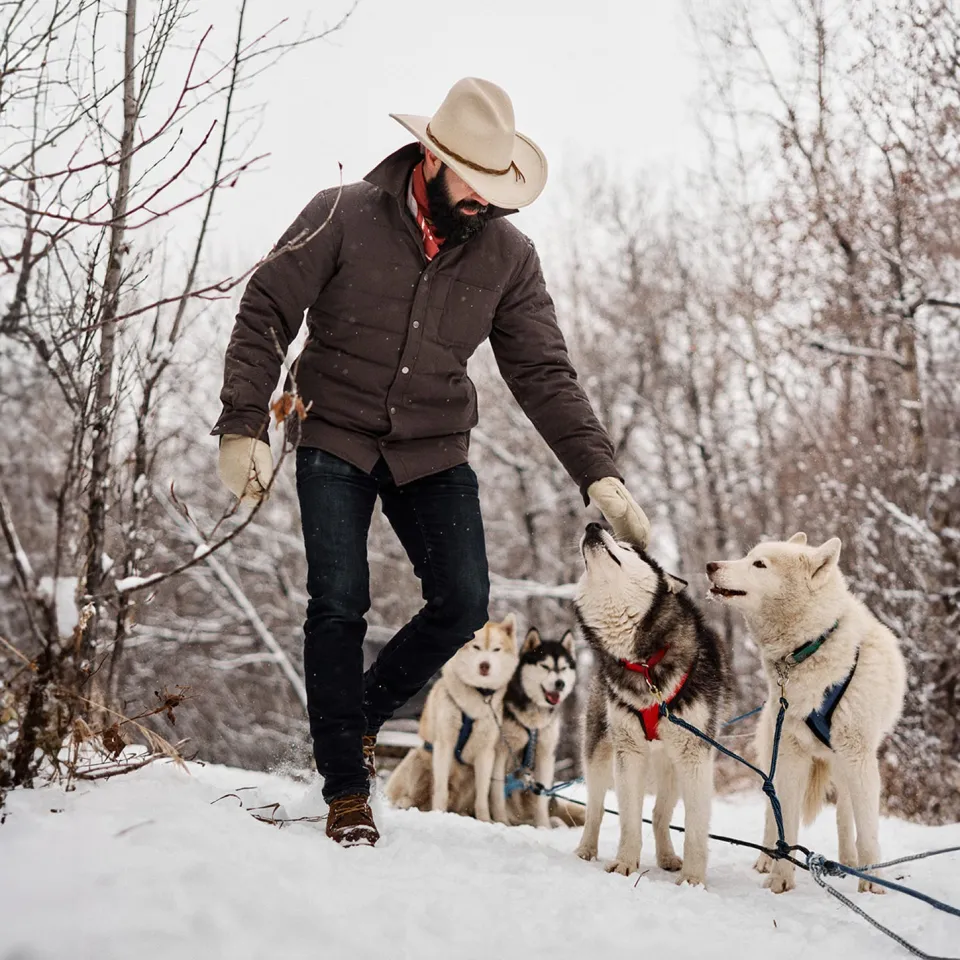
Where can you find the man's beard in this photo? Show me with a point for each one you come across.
(449, 221)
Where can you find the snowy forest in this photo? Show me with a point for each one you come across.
(773, 342)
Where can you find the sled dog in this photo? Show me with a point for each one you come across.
(544, 678)
(460, 726)
(649, 643)
(844, 679)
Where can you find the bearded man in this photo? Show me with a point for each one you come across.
(402, 276)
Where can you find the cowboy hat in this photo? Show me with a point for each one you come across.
(473, 133)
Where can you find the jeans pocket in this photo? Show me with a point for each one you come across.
(314, 462)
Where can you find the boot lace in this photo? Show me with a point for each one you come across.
(344, 806)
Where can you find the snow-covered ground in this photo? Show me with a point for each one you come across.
(147, 866)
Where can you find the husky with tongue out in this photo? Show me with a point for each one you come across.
(543, 679)
(650, 644)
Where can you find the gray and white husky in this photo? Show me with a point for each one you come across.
(544, 678)
(649, 641)
(845, 681)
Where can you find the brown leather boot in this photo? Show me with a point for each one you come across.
(350, 822)
(370, 755)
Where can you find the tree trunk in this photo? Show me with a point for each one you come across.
(109, 309)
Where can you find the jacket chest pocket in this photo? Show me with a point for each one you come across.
(467, 316)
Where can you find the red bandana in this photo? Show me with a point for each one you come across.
(431, 242)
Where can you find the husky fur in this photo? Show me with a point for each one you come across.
(629, 609)
(544, 678)
(791, 593)
(473, 682)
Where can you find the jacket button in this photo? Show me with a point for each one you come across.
(404, 369)
(393, 409)
(416, 323)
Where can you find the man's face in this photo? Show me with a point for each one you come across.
(456, 209)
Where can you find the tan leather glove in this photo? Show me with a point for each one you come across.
(246, 466)
(623, 513)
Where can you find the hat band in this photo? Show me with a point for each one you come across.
(517, 172)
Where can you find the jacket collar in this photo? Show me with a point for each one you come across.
(392, 174)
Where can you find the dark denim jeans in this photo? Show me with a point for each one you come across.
(437, 520)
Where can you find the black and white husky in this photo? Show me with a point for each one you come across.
(544, 678)
(649, 643)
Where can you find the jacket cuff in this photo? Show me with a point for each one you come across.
(597, 472)
(242, 427)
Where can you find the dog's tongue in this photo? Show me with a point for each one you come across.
(553, 698)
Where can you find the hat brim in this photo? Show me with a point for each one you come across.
(500, 189)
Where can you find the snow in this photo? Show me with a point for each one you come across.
(153, 865)
(64, 597)
(125, 584)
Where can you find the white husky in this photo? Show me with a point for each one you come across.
(460, 727)
(845, 681)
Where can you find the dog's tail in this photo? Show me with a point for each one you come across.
(818, 783)
(569, 814)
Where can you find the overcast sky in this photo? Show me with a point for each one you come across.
(611, 79)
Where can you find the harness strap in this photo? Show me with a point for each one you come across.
(644, 667)
(516, 781)
(809, 649)
(466, 728)
(820, 721)
(650, 716)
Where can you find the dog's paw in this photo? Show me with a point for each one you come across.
(623, 866)
(586, 852)
(764, 864)
(868, 886)
(779, 884)
(402, 803)
(691, 879)
(556, 823)
(669, 861)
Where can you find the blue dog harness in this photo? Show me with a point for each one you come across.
(516, 781)
(820, 721)
(466, 728)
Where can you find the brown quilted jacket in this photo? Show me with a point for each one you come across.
(384, 369)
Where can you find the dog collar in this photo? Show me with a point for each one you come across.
(485, 692)
(809, 649)
(644, 667)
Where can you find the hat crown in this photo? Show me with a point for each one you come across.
(475, 122)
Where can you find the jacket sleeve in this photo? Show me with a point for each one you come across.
(273, 303)
(533, 360)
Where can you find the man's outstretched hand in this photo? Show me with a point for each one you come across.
(623, 513)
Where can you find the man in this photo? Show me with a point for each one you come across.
(403, 276)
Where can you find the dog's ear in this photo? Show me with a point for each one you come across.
(568, 643)
(532, 640)
(675, 584)
(824, 559)
(509, 627)
(800, 537)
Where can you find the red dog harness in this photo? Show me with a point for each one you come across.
(650, 716)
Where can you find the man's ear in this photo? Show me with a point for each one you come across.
(567, 642)
(532, 640)
(675, 584)
(825, 558)
(800, 537)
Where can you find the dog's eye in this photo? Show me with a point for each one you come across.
(476, 646)
(760, 564)
(496, 649)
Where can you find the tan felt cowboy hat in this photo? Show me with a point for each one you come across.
(473, 133)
